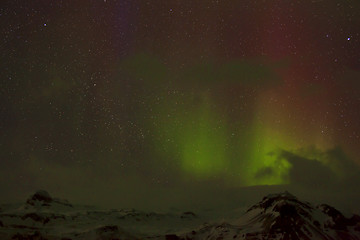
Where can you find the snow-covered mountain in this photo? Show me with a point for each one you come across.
(277, 216)
(283, 216)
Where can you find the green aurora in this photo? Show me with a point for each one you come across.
(193, 133)
(203, 144)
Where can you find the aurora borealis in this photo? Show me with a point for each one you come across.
(112, 96)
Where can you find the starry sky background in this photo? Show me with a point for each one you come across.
(160, 103)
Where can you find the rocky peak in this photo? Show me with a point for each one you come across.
(42, 198)
(284, 203)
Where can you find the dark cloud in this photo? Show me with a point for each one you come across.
(264, 172)
(308, 172)
(324, 176)
(315, 168)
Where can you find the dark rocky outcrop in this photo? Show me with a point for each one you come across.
(29, 236)
(188, 215)
(42, 198)
(172, 237)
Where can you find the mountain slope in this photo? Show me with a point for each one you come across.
(283, 216)
(276, 216)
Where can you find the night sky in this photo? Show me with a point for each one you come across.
(125, 102)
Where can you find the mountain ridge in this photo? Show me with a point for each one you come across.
(280, 216)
